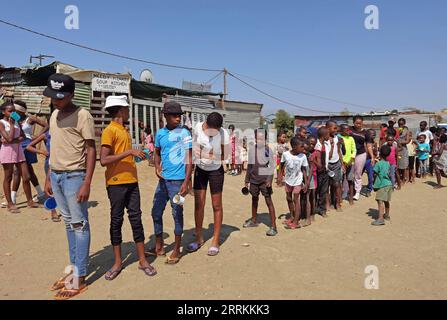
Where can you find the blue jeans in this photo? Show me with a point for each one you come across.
(369, 169)
(166, 191)
(66, 186)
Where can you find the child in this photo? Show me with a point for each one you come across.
(122, 184)
(350, 152)
(392, 160)
(411, 158)
(423, 153)
(293, 169)
(11, 154)
(46, 138)
(259, 179)
(440, 159)
(336, 165)
(383, 185)
(173, 165)
(281, 147)
(309, 197)
(302, 133)
(73, 159)
(149, 145)
(322, 171)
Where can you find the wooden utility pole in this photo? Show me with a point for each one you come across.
(225, 71)
(40, 57)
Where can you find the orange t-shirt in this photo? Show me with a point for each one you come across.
(125, 171)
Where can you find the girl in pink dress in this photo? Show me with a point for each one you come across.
(11, 154)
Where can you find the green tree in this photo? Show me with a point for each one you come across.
(345, 112)
(284, 121)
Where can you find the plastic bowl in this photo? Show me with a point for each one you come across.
(50, 204)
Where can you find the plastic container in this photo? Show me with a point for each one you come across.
(138, 159)
(179, 200)
(245, 191)
(50, 204)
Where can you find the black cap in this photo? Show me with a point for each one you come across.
(172, 108)
(59, 86)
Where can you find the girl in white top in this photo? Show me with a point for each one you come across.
(11, 154)
(210, 146)
(27, 126)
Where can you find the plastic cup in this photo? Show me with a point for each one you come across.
(16, 116)
(50, 204)
(179, 200)
(331, 174)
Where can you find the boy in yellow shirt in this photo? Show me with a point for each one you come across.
(122, 183)
(349, 153)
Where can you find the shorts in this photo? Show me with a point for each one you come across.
(294, 190)
(411, 161)
(312, 183)
(215, 179)
(384, 194)
(30, 157)
(256, 189)
(338, 173)
(350, 173)
(403, 159)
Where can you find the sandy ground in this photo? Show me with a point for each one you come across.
(324, 261)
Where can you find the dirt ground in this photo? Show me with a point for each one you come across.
(324, 261)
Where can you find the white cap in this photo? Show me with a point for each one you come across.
(116, 101)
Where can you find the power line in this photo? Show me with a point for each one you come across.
(279, 99)
(213, 78)
(306, 93)
(105, 52)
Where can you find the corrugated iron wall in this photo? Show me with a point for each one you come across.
(32, 96)
(83, 95)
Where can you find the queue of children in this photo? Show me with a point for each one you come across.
(317, 172)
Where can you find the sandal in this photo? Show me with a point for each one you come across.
(149, 271)
(272, 232)
(172, 261)
(287, 221)
(213, 251)
(153, 253)
(112, 274)
(292, 226)
(66, 294)
(250, 224)
(193, 247)
(60, 284)
(14, 211)
(56, 218)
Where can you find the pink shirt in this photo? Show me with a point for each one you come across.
(392, 157)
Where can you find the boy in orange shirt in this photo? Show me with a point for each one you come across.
(122, 183)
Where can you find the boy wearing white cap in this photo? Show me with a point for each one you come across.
(122, 183)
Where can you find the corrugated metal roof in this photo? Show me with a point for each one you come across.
(83, 95)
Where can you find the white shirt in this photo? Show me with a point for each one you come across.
(319, 147)
(428, 135)
(335, 156)
(209, 147)
(293, 164)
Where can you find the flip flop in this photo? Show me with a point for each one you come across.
(292, 226)
(14, 211)
(73, 293)
(149, 271)
(56, 219)
(193, 247)
(213, 251)
(112, 274)
(153, 253)
(172, 261)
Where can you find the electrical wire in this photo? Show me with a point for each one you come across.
(105, 52)
(278, 99)
(306, 93)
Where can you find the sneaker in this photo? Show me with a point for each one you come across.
(272, 232)
(357, 197)
(250, 224)
(4, 205)
(378, 223)
(387, 217)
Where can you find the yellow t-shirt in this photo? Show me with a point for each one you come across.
(125, 171)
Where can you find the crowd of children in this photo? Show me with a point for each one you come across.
(317, 172)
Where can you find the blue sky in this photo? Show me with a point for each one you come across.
(315, 46)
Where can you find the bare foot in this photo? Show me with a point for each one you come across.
(33, 205)
(13, 209)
